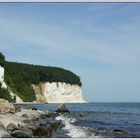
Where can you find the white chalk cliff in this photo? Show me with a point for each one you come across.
(3, 85)
(58, 93)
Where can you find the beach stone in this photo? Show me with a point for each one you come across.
(35, 131)
(25, 115)
(11, 127)
(62, 108)
(6, 107)
(120, 131)
(21, 134)
(42, 131)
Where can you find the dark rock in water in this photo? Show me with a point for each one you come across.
(21, 134)
(31, 107)
(62, 108)
(11, 127)
(120, 131)
(81, 114)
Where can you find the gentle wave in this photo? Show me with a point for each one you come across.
(72, 130)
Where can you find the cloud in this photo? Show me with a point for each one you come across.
(81, 38)
(99, 43)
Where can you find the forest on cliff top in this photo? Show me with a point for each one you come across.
(20, 76)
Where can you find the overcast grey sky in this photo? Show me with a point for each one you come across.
(98, 41)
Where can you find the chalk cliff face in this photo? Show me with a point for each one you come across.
(18, 100)
(2, 77)
(58, 93)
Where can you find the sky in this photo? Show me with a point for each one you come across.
(100, 42)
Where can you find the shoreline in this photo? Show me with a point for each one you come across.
(46, 122)
(51, 103)
(28, 123)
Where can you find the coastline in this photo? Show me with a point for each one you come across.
(90, 120)
(28, 123)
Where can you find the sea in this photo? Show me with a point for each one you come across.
(99, 120)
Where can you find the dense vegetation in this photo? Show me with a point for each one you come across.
(4, 93)
(35, 73)
(20, 77)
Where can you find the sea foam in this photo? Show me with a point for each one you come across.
(73, 131)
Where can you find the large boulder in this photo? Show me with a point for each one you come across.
(6, 107)
(62, 108)
(11, 127)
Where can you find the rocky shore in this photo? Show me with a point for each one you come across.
(27, 123)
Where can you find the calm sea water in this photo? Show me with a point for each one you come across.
(97, 119)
